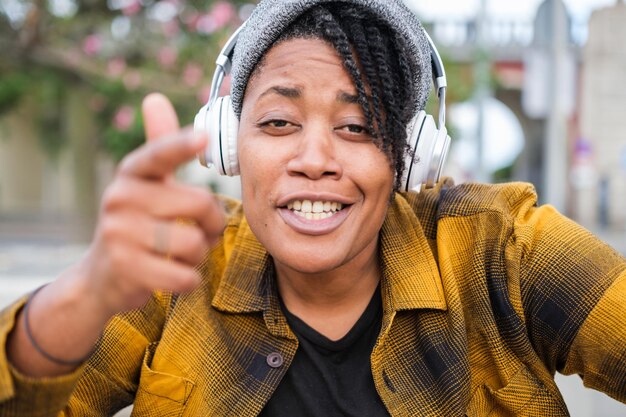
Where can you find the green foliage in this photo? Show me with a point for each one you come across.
(119, 55)
(49, 89)
(13, 85)
(118, 143)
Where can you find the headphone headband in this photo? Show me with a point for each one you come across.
(224, 64)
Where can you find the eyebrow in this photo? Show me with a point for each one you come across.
(344, 97)
(288, 92)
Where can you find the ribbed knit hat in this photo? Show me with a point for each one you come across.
(271, 17)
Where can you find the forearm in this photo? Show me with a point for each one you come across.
(65, 320)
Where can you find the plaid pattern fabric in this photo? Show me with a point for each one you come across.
(485, 296)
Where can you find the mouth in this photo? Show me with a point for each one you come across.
(315, 210)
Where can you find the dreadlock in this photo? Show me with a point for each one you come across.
(374, 57)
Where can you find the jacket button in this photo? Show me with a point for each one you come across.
(275, 360)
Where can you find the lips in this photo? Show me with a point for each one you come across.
(314, 216)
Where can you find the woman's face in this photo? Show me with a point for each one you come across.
(315, 187)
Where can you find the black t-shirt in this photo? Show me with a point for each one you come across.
(331, 378)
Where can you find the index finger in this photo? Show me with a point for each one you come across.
(159, 159)
(159, 117)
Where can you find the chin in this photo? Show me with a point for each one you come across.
(309, 264)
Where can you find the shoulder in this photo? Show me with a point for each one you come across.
(509, 200)
(468, 199)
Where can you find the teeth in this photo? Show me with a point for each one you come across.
(314, 210)
(318, 207)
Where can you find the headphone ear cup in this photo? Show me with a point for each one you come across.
(200, 125)
(229, 131)
(421, 135)
(222, 125)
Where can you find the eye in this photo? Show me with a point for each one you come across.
(354, 131)
(274, 123)
(277, 127)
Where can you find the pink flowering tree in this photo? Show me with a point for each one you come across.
(115, 51)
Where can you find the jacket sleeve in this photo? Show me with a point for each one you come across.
(573, 289)
(104, 384)
(598, 353)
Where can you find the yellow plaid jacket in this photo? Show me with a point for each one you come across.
(485, 297)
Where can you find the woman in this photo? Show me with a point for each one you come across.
(324, 292)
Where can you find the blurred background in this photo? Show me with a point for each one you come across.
(537, 93)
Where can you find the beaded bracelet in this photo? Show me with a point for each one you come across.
(39, 349)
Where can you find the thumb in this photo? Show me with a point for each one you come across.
(159, 117)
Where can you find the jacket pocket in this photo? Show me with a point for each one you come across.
(524, 395)
(160, 394)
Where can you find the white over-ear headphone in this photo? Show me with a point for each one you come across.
(428, 143)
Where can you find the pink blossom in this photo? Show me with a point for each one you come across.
(222, 13)
(203, 94)
(92, 44)
(124, 118)
(191, 20)
(132, 8)
(206, 24)
(167, 57)
(116, 67)
(170, 28)
(192, 74)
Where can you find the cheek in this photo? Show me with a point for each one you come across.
(376, 168)
(258, 171)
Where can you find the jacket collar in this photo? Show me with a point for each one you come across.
(411, 277)
(410, 273)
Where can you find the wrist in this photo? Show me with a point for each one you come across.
(81, 293)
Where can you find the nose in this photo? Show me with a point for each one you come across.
(315, 155)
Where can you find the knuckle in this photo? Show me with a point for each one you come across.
(205, 199)
(109, 228)
(193, 243)
(188, 280)
(196, 239)
(127, 163)
(112, 197)
(119, 255)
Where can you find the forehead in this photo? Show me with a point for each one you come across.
(300, 60)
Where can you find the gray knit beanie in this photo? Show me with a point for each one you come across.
(271, 17)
